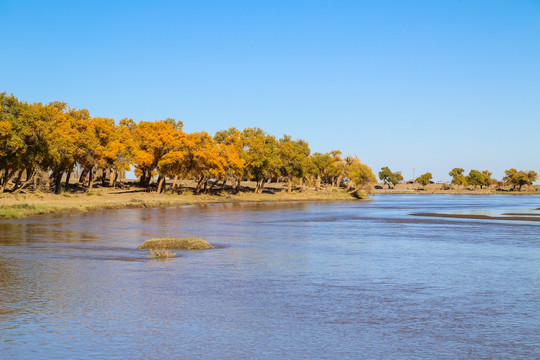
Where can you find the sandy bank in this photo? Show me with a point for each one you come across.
(531, 217)
(23, 205)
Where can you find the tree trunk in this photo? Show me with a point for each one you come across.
(82, 178)
(259, 186)
(174, 185)
(199, 185)
(318, 182)
(90, 178)
(30, 173)
(237, 187)
(27, 183)
(113, 176)
(213, 184)
(161, 183)
(339, 180)
(223, 185)
(7, 177)
(67, 180)
(148, 178)
(103, 177)
(142, 179)
(289, 185)
(18, 182)
(58, 182)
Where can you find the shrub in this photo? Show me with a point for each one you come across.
(188, 243)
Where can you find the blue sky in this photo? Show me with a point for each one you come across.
(429, 85)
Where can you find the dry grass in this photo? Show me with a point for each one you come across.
(161, 254)
(188, 243)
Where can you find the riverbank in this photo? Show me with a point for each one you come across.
(450, 189)
(130, 196)
(24, 205)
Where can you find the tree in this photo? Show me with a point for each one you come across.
(360, 175)
(336, 171)
(23, 140)
(13, 144)
(390, 178)
(294, 155)
(457, 177)
(322, 164)
(231, 142)
(119, 155)
(205, 159)
(477, 178)
(61, 138)
(424, 179)
(261, 154)
(519, 178)
(94, 139)
(154, 140)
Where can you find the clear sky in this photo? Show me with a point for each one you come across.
(430, 85)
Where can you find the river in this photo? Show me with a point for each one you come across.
(300, 280)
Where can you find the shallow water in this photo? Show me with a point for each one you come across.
(337, 280)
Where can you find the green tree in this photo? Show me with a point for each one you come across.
(322, 164)
(477, 178)
(261, 154)
(424, 179)
(390, 178)
(14, 133)
(457, 177)
(519, 178)
(361, 176)
(294, 155)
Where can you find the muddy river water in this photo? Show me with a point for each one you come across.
(302, 280)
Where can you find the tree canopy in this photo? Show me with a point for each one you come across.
(458, 177)
(424, 179)
(389, 177)
(518, 178)
(56, 140)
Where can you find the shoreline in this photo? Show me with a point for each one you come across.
(452, 192)
(103, 198)
(529, 217)
(25, 205)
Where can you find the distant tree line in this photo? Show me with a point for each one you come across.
(515, 179)
(41, 146)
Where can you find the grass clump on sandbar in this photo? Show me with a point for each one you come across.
(188, 243)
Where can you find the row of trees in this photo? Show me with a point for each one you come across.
(44, 144)
(514, 178)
